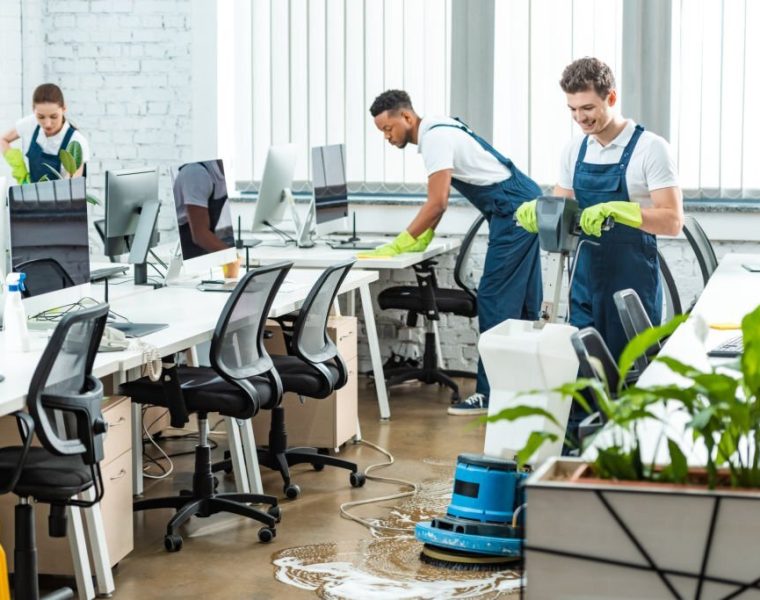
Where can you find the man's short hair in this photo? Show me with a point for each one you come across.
(391, 100)
(586, 73)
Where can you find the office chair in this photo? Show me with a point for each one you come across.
(64, 413)
(635, 320)
(670, 291)
(43, 275)
(702, 247)
(311, 368)
(428, 300)
(240, 381)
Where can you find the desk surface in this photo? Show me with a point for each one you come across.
(190, 313)
(731, 293)
(323, 256)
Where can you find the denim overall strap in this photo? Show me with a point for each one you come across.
(41, 163)
(626, 257)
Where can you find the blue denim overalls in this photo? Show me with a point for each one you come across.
(626, 257)
(510, 287)
(38, 159)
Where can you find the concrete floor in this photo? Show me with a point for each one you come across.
(222, 557)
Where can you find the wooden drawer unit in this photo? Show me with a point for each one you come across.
(325, 423)
(53, 554)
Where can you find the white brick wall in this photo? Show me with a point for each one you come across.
(125, 70)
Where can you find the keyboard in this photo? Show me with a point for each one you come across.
(728, 349)
(106, 272)
(358, 245)
(217, 286)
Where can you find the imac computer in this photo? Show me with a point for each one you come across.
(132, 206)
(275, 192)
(49, 241)
(204, 218)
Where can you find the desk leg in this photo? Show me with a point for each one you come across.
(251, 458)
(236, 457)
(137, 450)
(78, 547)
(100, 558)
(374, 352)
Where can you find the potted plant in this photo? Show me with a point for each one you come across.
(616, 524)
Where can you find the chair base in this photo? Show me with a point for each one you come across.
(429, 372)
(203, 501)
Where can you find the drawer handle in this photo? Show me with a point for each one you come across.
(121, 421)
(120, 475)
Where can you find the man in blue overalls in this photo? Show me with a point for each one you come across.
(510, 287)
(615, 169)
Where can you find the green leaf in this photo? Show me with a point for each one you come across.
(44, 178)
(642, 342)
(520, 412)
(678, 367)
(536, 439)
(751, 356)
(67, 162)
(701, 419)
(93, 199)
(678, 466)
(615, 463)
(58, 174)
(75, 149)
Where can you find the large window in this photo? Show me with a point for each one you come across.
(534, 42)
(716, 75)
(307, 71)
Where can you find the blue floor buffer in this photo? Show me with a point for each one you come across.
(483, 526)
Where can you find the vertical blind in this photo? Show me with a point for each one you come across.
(716, 74)
(531, 120)
(307, 71)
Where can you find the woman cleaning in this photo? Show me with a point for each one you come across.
(43, 135)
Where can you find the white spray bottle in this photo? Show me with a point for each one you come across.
(15, 332)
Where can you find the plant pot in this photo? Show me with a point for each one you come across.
(604, 539)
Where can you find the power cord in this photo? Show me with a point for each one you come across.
(166, 472)
(151, 359)
(369, 524)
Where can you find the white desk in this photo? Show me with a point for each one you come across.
(321, 256)
(192, 316)
(731, 293)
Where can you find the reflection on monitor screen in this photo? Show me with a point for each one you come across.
(328, 170)
(48, 226)
(203, 214)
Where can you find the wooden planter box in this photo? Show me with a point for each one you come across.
(597, 539)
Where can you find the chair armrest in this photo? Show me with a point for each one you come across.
(24, 421)
(427, 283)
(175, 401)
(91, 426)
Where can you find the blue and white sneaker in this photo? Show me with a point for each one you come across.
(477, 404)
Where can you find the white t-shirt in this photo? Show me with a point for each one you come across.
(449, 148)
(193, 185)
(50, 145)
(651, 166)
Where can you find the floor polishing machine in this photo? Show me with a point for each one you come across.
(483, 526)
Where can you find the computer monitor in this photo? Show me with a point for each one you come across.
(132, 206)
(48, 225)
(204, 218)
(275, 191)
(328, 177)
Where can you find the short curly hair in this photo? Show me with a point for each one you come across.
(392, 100)
(586, 73)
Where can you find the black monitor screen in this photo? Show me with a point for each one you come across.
(329, 180)
(48, 220)
(203, 209)
(126, 193)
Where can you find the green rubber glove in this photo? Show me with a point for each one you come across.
(624, 212)
(423, 241)
(526, 216)
(403, 242)
(15, 158)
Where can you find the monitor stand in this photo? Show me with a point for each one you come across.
(138, 253)
(354, 242)
(303, 230)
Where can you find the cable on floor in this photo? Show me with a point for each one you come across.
(344, 512)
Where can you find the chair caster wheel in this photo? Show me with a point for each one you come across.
(292, 491)
(266, 534)
(357, 479)
(276, 512)
(318, 466)
(173, 542)
(455, 398)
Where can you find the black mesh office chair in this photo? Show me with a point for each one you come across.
(64, 403)
(240, 381)
(312, 368)
(43, 275)
(635, 320)
(702, 247)
(428, 300)
(671, 298)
